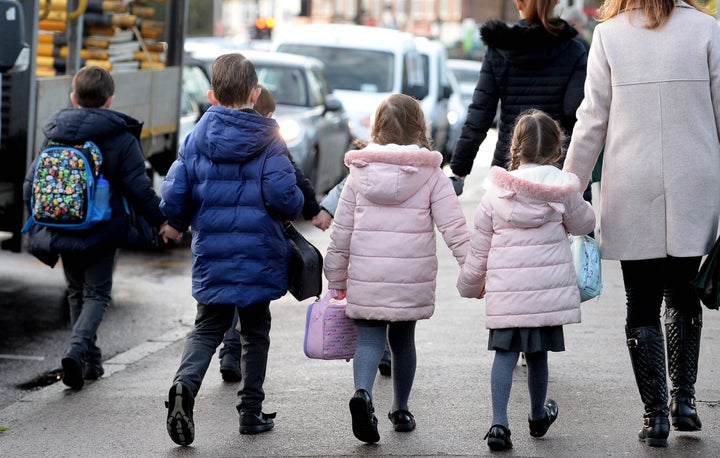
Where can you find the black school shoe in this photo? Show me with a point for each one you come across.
(230, 369)
(180, 405)
(498, 438)
(256, 422)
(364, 422)
(72, 371)
(93, 371)
(538, 428)
(402, 420)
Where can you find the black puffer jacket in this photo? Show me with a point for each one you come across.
(117, 135)
(525, 67)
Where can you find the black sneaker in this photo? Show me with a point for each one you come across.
(230, 369)
(72, 372)
(180, 405)
(256, 422)
(364, 422)
(385, 368)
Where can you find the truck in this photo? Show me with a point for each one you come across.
(150, 93)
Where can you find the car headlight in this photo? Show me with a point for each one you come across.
(290, 130)
(452, 117)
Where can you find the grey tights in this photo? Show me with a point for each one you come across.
(501, 383)
(371, 344)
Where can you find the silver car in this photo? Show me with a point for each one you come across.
(312, 121)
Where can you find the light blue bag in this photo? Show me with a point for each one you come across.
(586, 258)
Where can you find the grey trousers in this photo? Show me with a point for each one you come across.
(89, 278)
(211, 323)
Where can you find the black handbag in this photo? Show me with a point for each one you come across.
(707, 281)
(305, 269)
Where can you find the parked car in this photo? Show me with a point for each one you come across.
(312, 120)
(364, 64)
(435, 105)
(194, 102)
(463, 76)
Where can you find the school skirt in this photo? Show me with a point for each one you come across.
(527, 340)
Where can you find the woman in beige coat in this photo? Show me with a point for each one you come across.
(651, 98)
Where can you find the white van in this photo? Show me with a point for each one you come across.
(363, 64)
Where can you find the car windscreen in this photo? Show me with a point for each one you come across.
(286, 84)
(351, 69)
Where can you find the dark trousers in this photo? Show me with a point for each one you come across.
(89, 285)
(211, 323)
(648, 281)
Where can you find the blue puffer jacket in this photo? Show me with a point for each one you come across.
(232, 184)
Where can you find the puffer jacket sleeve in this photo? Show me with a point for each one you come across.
(574, 93)
(471, 280)
(449, 218)
(279, 187)
(136, 185)
(176, 191)
(330, 202)
(338, 253)
(480, 115)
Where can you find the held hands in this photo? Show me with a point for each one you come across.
(322, 220)
(482, 293)
(338, 294)
(169, 233)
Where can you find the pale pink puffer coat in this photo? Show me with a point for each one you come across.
(383, 247)
(519, 250)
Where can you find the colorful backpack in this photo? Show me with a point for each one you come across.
(64, 186)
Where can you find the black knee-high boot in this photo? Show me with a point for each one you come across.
(647, 355)
(683, 348)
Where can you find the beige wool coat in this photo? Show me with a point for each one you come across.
(652, 98)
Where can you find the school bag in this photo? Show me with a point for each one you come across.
(68, 190)
(586, 259)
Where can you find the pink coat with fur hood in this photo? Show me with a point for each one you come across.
(520, 251)
(382, 247)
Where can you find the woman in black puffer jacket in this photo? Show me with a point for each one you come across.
(539, 62)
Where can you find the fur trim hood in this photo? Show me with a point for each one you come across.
(391, 174)
(523, 42)
(528, 195)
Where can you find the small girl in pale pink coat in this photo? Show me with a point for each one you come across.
(520, 261)
(383, 251)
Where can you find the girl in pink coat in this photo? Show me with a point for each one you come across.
(383, 251)
(520, 261)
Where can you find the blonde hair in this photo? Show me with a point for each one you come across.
(656, 11)
(537, 139)
(399, 119)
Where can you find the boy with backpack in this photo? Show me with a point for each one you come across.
(234, 183)
(88, 255)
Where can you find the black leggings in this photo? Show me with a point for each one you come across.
(647, 281)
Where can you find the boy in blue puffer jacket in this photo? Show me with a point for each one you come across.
(233, 184)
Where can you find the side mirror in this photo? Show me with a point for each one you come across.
(332, 104)
(14, 53)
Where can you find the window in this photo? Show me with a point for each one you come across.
(351, 69)
(286, 84)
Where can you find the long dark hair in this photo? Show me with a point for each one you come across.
(542, 11)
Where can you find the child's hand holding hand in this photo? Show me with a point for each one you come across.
(482, 293)
(169, 233)
(322, 220)
(338, 294)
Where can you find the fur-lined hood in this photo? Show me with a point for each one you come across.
(528, 195)
(390, 174)
(527, 43)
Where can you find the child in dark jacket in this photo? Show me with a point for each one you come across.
(88, 256)
(234, 184)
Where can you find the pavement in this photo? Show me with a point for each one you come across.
(600, 413)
